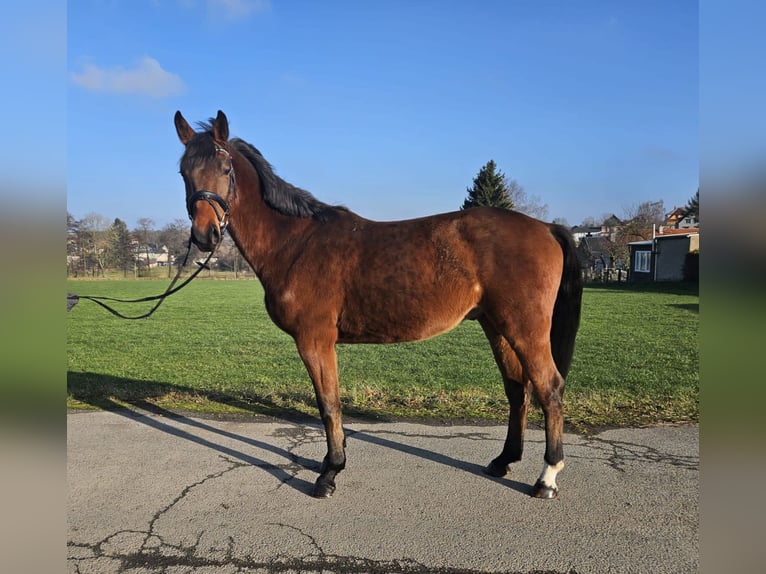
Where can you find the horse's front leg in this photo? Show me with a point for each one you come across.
(322, 364)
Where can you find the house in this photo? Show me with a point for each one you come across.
(680, 218)
(164, 257)
(662, 258)
(611, 226)
(152, 256)
(608, 228)
(581, 231)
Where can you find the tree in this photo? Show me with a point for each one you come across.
(638, 226)
(591, 221)
(489, 189)
(641, 219)
(94, 234)
(229, 258)
(175, 236)
(524, 203)
(693, 205)
(74, 261)
(119, 247)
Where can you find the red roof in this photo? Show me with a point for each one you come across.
(678, 231)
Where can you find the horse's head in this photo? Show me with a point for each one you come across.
(208, 173)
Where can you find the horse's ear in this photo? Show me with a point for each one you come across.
(221, 127)
(183, 129)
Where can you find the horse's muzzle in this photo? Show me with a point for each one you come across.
(206, 240)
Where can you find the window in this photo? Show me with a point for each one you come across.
(643, 261)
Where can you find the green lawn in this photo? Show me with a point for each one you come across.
(212, 348)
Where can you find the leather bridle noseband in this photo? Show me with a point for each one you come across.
(211, 198)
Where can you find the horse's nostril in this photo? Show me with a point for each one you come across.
(215, 235)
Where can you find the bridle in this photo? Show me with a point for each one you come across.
(213, 199)
(223, 221)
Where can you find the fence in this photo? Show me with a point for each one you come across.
(605, 275)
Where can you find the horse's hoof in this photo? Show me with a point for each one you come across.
(323, 490)
(496, 469)
(544, 491)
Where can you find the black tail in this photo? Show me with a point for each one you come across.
(566, 311)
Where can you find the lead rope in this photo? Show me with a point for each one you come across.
(72, 299)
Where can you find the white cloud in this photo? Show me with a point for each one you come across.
(147, 78)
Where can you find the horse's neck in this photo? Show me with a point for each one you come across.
(258, 230)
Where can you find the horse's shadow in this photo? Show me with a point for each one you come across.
(131, 402)
(284, 473)
(440, 458)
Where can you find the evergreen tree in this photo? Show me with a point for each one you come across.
(120, 250)
(693, 205)
(489, 189)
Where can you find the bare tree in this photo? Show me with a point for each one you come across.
(523, 202)
(174, 236)
(637, 226)
(95, 239)
(640, 219)
(227, 255)
(74, 259)
(591, 221)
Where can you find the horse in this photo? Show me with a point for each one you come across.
(331, 276)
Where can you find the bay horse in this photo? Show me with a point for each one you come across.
(331, 276)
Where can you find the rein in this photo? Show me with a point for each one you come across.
(223, 222)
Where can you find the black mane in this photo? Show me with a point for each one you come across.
(277, 193)
(280, 195)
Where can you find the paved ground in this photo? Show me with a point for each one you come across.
(176, 495)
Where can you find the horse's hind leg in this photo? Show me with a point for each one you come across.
(518, 400)
(548, 385)
(530, 340)
(321, 362)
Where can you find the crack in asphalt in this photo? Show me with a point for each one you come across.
(157, 556)
(619, 454)
(318, 563)
(297, 436)
(164, 553)
(473, 436)
(100, 549)
(160, 513)
(154, 555)
(324, 562)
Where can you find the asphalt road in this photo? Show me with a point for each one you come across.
(176, 495)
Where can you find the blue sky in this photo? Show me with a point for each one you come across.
(389, 108)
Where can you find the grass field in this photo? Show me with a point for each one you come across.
(212, 348)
